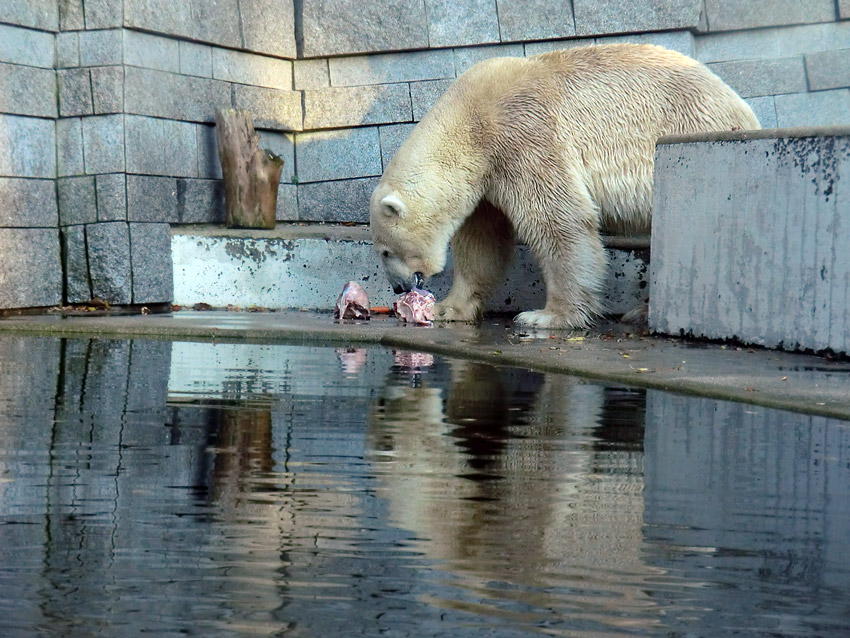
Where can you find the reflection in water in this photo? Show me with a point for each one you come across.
(499, 475)
(751, 505)
(218, 490)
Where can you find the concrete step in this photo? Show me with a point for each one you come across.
(306, 266)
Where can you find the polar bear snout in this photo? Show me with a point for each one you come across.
(417, 280)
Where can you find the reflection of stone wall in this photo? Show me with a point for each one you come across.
(759, 493)
(113, 99)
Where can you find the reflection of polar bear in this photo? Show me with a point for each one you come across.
(497, 477)
(551, 147)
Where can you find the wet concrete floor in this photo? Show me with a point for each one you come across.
(791, 381)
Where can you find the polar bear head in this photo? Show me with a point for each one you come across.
(422, 199)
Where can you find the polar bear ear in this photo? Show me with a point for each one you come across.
(392, 205)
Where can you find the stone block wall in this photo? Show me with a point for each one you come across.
(112, 101)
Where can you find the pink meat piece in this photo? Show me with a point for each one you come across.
(353, 302)
(416, 306)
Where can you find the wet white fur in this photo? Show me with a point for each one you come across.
(552, 149)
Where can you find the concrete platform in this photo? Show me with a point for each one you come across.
(305, 266)
(610, 353)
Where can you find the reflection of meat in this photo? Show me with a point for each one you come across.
(352, 359)
(413, 360)
(416, 306)
(353, 302)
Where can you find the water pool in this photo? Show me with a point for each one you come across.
(174, 488)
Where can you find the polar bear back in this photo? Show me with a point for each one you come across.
(591, 114)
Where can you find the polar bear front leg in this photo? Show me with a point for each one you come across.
(573, 265)
(482, 250)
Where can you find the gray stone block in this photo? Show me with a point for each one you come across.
(195, 59)
(390, 68)
(268, 26)
(461, 22)
(311, 74)
(200, 201)
(521, 20)
(151, 51)
(765, 110)
(281, 144)
(108, 249)
(356, 106)
(765, 260)
(746, 45)
(536, 48)
(254, 70)
(74, 92)
(344, 154)
(217, 22)
(828, 70)
(163, 16)
(27, 47)
(67, 50)
(103, 144)
(28, 203)
(214, 22)
(755, 78)
(71, 15)
(152, 199)
(287, 203)
(107, 87)
(425, 94)
(38, 14)
(101, 48)
(613, 16)
(27, 90)
(209, 165)
(111, 191)
(104, 14)
(681, 41)
(69, 147)
(836, 35)
(271, 108)
(822, 108)
(844, 9)
(30, 268)
(150, 246)
(161, 147)
(392, 137)
(77, 201)
(467, 56)
(28, 148)
(353, 26)
(337, 201)
(77, 286)
(729, 15)
(173, 96)
(799, 40)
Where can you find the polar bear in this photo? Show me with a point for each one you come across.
(550, 149)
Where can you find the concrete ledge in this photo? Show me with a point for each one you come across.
(762, 134)
(773, 379)
(749, 239)
(305, 266)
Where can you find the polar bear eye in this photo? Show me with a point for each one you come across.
(385, 254)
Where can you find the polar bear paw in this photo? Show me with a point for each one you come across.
(446, 312)
(548, 320)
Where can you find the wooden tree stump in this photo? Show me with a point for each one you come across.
(251, 175)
